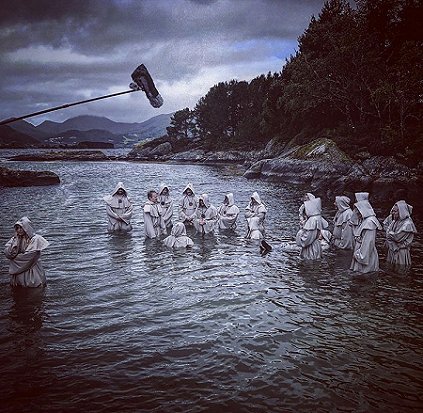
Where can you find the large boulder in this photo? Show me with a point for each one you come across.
(12, 178)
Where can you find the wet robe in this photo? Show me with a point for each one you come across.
(309, 237)
(228, 213)
(165, 206)
(343, 236)
(355, 217)
(188, 206)
(255, 213)
(119, 210)
(24, 253)
(205, 217)
(365, 257)
(154, 226)
(399, 236)
(178, 237)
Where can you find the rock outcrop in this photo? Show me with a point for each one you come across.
(323, 167)
(63, 156)
(12, 178)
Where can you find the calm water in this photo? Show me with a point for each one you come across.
(125, 325)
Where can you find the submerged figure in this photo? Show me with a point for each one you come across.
(154, 225)
(119, 210)
(206, 215)
(309, 236)
(343, 237)
(365, 257)
(188, 205)
(355, 216)
(301, 211)
(23, 251)
(178, 237)
(228, 213)
(255, 213)
(165, 205)
(400, 230)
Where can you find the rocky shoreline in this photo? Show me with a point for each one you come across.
(17, 178)
(319, 165)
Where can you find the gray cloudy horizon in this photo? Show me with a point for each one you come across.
(57, 52)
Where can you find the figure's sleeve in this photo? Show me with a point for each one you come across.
(306, 237)
(110, 212)
(403, 239)
(128, 212)
(23, 262)
(11, 250)
(363, 254)
(386, 222)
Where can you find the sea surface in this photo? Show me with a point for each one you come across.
(126, 325)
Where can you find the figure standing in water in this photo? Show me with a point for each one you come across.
(206, 216)
(400, 230)
(310, 235)
(119, 210)
(343, 237)
(23, 251)
(165, 205)
(188, 205)
(154, 225)
(301, 211)
(255, 213)
(178, 237)
(228, 213)
(365, 257)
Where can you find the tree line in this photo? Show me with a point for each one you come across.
(355, 78)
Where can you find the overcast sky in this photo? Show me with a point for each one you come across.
(60, 51)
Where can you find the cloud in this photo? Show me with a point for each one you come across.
(58, 52)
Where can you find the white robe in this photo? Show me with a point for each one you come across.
(119, 211)
(228, 213)
(343, 236)
(24, 253)
(365, 257)
(165, 206)
(399, 236)
(205, 217)
(178, 237)
(309, 237)
(154, 226)
(255, 215)
(188, 206)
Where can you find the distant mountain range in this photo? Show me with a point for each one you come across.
(84, 128)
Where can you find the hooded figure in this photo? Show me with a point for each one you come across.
(309, 237)
(355, 217)
(365, 257)
(400, 230)
(188, 205)
(165, 205)
(343, 237)
(255, 213)
(154, 225)
(228, 213)
(23, 251)
(301, 211)
(178, 237)
(119, 209)
(206, 215)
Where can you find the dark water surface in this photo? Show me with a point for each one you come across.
(126, 325)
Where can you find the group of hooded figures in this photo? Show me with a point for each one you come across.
(353, 228)
(194, 211)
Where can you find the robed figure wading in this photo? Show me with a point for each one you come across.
(23, 251)
(206, 216)
(188, 205)
(228, 213)
(119, 210)
(400, 230)
(343, 237)
(255, 213)
(154, 225)
(365, 257)
(165, 205)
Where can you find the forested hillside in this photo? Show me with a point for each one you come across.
(355, 78)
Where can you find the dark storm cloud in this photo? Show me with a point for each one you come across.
(68, 49)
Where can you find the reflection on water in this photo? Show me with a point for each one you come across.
(127, 325)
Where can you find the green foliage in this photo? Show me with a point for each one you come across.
(356, 78)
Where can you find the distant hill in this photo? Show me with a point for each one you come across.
(96, 128)
(11, 138)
